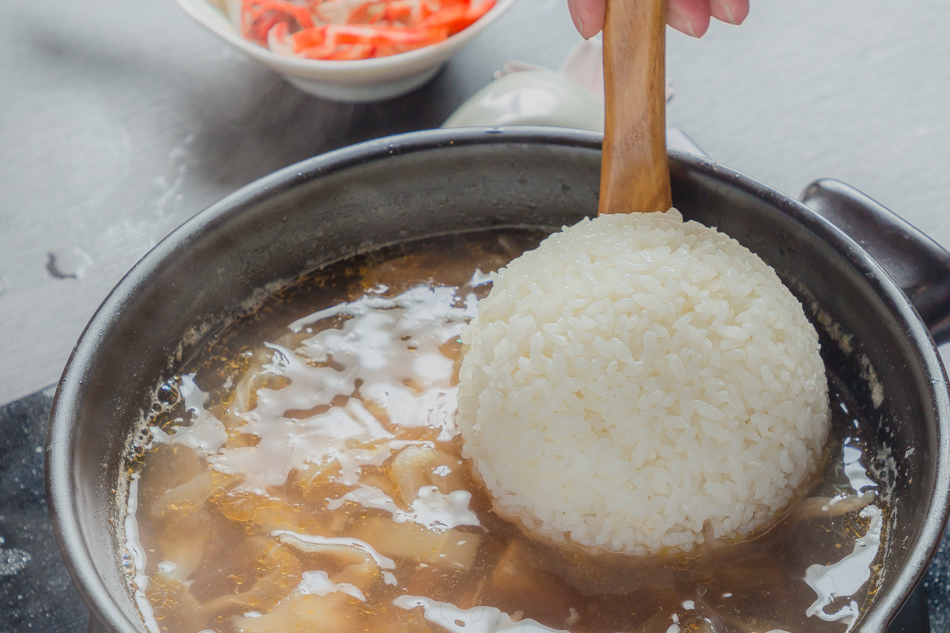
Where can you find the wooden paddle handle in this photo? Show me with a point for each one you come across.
(635, 173)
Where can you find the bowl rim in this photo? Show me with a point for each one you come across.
(199, 11)
(62, 487)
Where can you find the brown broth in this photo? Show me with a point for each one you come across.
(219, 545)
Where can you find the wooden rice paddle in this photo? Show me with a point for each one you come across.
(635, 174)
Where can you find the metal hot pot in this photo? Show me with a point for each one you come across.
(890, 307)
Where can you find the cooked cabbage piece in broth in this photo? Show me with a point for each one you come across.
(305, 473)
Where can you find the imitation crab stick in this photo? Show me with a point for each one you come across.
(344, 29)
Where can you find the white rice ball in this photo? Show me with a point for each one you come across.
(640, 383)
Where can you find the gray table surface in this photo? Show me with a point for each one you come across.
(119, 120)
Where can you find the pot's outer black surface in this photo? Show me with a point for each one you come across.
(438, 182)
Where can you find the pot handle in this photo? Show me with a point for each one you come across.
(919, 265)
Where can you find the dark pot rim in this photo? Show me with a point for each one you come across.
(63, 487)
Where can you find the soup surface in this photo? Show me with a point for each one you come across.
(304, 473)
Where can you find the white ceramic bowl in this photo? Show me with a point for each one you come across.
(354, 81)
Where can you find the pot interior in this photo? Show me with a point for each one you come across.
(225, 259)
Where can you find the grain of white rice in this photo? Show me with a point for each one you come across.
(640, 383)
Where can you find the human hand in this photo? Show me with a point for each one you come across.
(688, 16)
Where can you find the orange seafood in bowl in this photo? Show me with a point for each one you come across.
(344, 30)
(346, 50)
